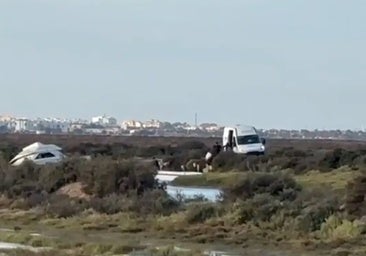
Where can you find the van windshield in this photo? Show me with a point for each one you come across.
(249, 139)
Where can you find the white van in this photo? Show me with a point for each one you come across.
(243, 139)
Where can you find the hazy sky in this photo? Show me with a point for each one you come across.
(272, 64)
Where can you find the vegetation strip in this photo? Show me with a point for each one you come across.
(308, 201)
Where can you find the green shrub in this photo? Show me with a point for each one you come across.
(355, 196)
(151, 202)
(28, 178)
(335, 228)
(53, 177)
(256, 183)
(193, 145)
(314, 215)
(151, 151)
(35, 199)
(154, 202)
(227, 161)
(110, 204)
(295, 153)
(61, 206)
(340, 157)
(8, 151)
(103, 176)
(199, 213)
(259, 208)
(114, 150)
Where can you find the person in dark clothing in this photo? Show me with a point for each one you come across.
(211, 154)
(156, 163)
(216, 149)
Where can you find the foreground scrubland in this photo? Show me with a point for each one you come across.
(302, 198)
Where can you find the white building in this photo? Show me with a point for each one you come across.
(153, 123)
(76, 126)
(131, 124)
(8, 121)
(53, 124)
(104, 120)
(23, 124)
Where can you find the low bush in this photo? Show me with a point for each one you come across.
(110, 204)
(199, 213)
(317, 205)
(193, 145)
(35, 199)
(336, 228)
(154, 202)
(355, 197)
(227, 161)
(278, 185)
(259, 208)
(61, 206)
(27, 178)
(151, 151)
(8, 151)
(295, 153)
(101, 175)
(341, 157)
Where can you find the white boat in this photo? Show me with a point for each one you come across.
(39, 154)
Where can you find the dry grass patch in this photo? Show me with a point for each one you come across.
(336, 179)
(175, 223)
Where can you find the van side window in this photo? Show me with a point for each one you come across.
(45, 155)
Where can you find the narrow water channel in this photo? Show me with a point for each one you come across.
(211, 194)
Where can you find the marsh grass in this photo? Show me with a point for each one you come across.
(336, 228)
(336, 179)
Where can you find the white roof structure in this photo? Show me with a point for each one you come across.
(244, 129)
(36, 148)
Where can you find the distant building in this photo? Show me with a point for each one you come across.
(76, 126)
(131, 124)
(153, 123)
(94, 131)
(7, 119)
(23, 125)
(104, 120)
(211, 127)
(52, 125)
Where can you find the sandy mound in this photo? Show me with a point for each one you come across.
(73, 190)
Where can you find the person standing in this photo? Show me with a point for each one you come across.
(216, 149)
